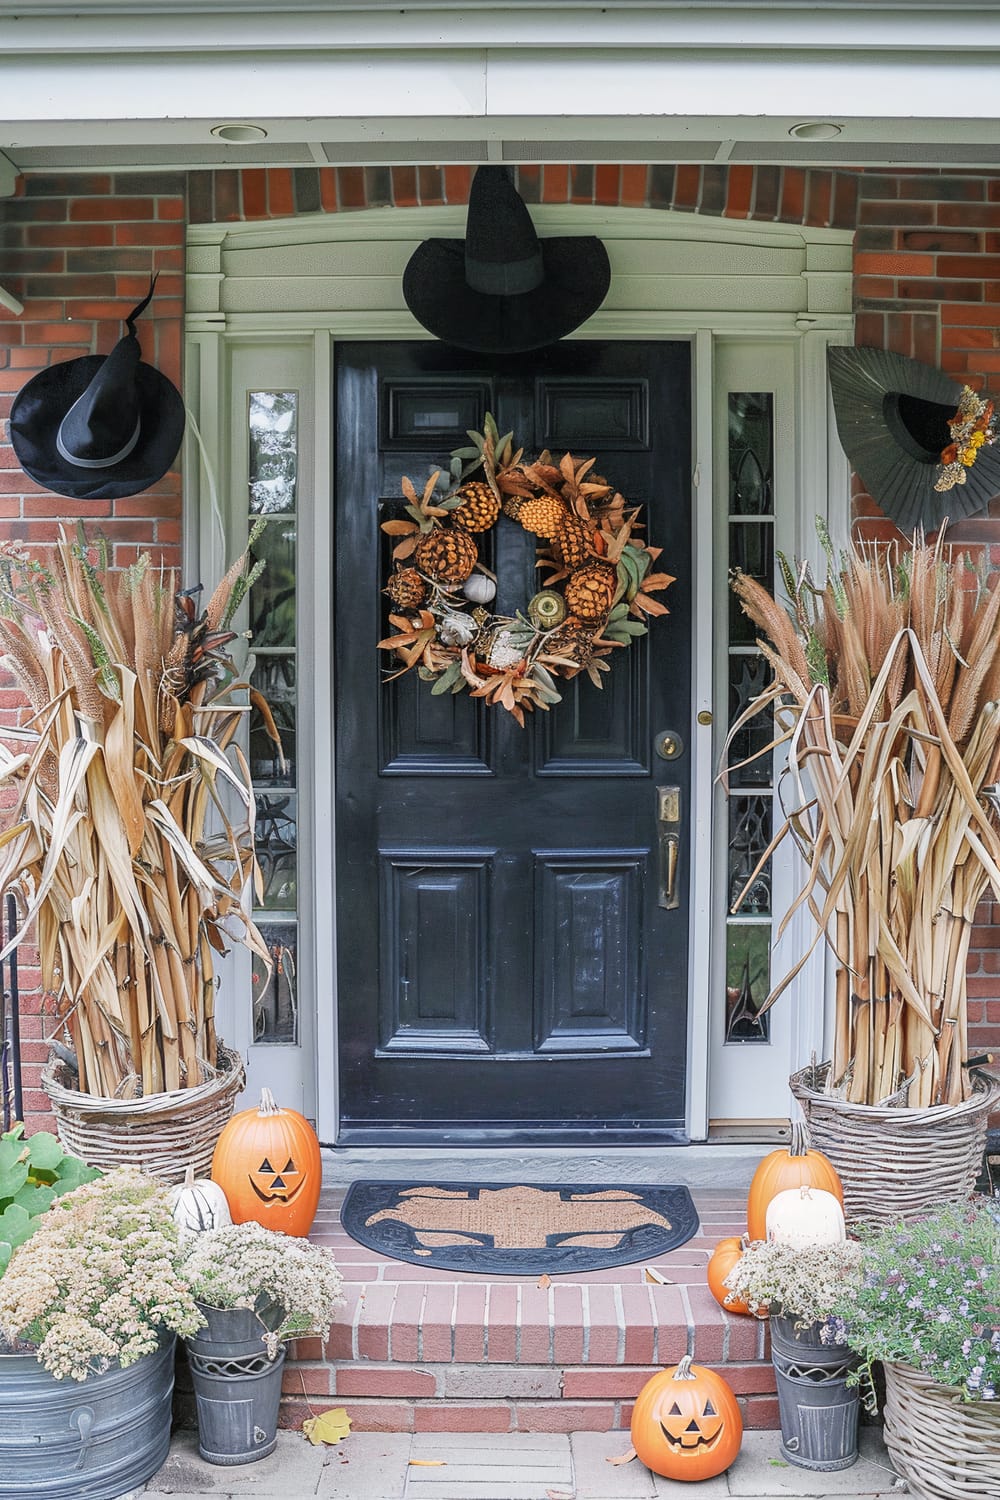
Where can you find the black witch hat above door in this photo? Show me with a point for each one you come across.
(100, 427)
(502, 290)
(923, 445)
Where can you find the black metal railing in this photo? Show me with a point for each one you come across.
(10, 1048)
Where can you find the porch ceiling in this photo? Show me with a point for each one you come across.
(116, 83)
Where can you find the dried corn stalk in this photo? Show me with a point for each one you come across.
(884, 689)
(124, 842)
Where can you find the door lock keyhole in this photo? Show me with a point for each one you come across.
(668, 744)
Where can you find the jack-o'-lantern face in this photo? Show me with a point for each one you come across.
(276, 1187)
(689, 1420)
(686, 1423)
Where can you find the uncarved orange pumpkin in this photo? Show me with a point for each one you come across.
(723, 1258)
(267, 1163)
(686, 1423)
(795, 1165)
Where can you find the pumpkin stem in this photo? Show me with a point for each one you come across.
(189, 1176)
(800, 1143)
(267, 1105)
(683, 1370)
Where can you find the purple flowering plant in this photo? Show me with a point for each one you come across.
(929, 1297)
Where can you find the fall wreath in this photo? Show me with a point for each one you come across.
(597, 579)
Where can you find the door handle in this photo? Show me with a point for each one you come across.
(668, 823)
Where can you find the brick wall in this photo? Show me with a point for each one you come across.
(78, 251)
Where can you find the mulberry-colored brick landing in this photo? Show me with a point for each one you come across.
(420, 1350)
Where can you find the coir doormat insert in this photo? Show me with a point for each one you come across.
(518, 1230)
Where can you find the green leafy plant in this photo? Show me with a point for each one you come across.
(99, 1280)
(293, 1286)
(806, 1285)
(929, 1297)
(34, 1172)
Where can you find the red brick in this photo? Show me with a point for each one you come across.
(604, 1384)
(307, 1380)
(604, 1333)
(639, 1331)
(114, 210)
(760, 1413)
(376, 1416)
(340, 1341)
(567, 1333)
(369, 1380)
(671, 1321)
(406, 1314)
(501, 1345)
(280, 192)
(457, 181)
(607, 184)
(146, 234)
(436, 1323)
(404, 186)
(633, 188)
(561, 1416)
(254, 183)
(327, 190)
(465, 1418)
(555, 183)
(535, 1343)
(75, 236)
(470, 1323)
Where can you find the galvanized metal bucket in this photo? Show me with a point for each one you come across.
(95, 1439)
(238, 1400)
(819, 1411)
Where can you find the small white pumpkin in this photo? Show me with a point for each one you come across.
(804, 1216)
(479, 588)
(199, 1204)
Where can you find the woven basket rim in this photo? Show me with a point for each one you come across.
(220, 1080)
(985, 1089)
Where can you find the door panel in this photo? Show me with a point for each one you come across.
(505, 967)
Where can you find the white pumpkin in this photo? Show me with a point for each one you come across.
(199, 1204)
(479, 588)
(804, 1216)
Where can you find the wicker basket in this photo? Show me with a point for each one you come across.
(163, 1133)
(897, 1163)
(944, 1447)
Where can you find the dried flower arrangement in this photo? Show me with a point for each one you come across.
(928, 1296)
(804, 1284)
(293, 1286)
(596, 594)
(123, 839)
(98, 1281)
(972, 427)
(886, 692)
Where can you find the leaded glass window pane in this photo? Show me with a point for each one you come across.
(275, 994)
(273, 451)
(748, 980)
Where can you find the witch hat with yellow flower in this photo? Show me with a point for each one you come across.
(922, 444)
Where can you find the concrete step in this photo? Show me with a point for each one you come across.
(421, 1350)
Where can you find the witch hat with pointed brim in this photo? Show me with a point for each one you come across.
(892, 417)
(100, 427)
(502, 290)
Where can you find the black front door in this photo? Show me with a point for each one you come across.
(506, 968)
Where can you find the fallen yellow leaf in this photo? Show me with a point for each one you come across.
(428, 1463)
(656, 1277)
(329, 1427)
(544, 1280)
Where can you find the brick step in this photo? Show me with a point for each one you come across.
(420, 1350)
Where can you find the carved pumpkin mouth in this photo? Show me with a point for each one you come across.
(280, 1189)
(691, 1439)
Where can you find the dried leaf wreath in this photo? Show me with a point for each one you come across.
(597, 583)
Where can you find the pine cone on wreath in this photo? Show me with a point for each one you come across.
(590, 590)
(448, 557)
(571, 543)
(479, 508)
(572, 640)
(543, 516)
(406, 588)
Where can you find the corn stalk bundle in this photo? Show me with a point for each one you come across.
(886, 692)
(124, 842)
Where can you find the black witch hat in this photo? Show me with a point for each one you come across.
(922, 444)
(100, 427)
(502, 290)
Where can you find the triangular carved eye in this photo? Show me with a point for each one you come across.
(289, 1165)
(675, 1410)
(710, 1410)
(265, 1166)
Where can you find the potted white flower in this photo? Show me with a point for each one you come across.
(89, 1306)
(254, 1288)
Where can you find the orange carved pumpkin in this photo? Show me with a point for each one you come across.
(267, 1163)
(796, 1165)
(723, 1259)
(686, 1423)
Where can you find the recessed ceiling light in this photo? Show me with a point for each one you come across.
(240, 135)
(816, 130)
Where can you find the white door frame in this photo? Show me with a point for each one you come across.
(306, 282)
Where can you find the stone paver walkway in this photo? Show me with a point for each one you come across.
(515, 1466)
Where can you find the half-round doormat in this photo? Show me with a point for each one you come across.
(518, 1230)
